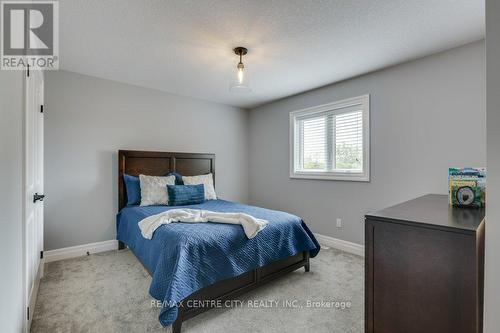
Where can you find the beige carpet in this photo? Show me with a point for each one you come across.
(108, 292)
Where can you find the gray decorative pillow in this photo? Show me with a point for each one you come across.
(207, 180)
(154, 189)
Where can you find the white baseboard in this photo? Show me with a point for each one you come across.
(79, 250)
(83, 250)
(340, 244)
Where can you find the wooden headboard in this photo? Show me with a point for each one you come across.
(159, 163)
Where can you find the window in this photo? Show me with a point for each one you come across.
(331, 141)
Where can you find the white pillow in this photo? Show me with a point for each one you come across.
(208, 182)
(154, 189)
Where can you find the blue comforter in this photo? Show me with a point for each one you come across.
(185, 257)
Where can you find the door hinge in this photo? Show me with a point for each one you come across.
(41, 254)
(28, 313)
(41, 108)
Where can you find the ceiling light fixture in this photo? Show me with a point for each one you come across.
(240, 82)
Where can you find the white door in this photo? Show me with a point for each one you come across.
(33, 182)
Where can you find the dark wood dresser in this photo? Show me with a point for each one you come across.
(424, 267)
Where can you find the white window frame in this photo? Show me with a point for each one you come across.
(364, 103)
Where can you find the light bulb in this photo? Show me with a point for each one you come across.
(240, 75)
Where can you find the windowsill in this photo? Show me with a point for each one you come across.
(353, 177)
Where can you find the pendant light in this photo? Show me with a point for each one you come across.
(240, 81)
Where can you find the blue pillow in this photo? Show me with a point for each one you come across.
(133, 187)
(182, 195)
(178, 177)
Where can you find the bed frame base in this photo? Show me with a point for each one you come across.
(231, 289)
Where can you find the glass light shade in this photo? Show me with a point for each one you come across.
(239, 83)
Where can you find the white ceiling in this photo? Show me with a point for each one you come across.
(185, 47)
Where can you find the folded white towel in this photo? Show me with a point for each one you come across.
(251, 225)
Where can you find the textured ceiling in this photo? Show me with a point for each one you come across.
(184, 47)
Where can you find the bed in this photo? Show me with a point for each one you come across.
(196, 266)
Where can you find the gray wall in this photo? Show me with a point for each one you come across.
(88, 119)
(11, 177)
(492, 266)
(426, 116)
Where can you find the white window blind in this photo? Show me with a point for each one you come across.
(349, 141)
(314, 143)
(331, 141)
